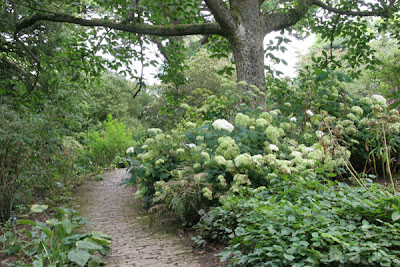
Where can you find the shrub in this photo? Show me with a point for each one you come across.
(113, 139)
(17, 140)
(297, 222)
(56, 242)
(218, 157)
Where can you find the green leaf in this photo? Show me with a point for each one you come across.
(53, 222)
(79, 256)
(88, 245)
(395, 216)
(67, 226)
(26, 222)
(101, 241)
(38, 208)
(38, 263)
(239, 231)
(289, 257)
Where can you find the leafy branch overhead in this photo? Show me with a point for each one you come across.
(244, 24)
(223, 15)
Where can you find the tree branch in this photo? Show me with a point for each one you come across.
(280, 20)
(167, 30)
(382, 12)
(222, 14)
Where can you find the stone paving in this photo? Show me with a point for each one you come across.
(113, 210)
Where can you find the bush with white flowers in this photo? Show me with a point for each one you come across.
(218, 157)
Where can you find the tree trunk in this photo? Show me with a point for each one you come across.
(249, 59)
(247, 41)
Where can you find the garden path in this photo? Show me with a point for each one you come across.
(113, 210)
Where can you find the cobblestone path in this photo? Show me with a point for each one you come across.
(113, 210)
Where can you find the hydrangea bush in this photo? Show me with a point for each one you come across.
(235, 145)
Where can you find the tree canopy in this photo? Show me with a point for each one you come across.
(241, 25)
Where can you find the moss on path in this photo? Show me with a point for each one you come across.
(113, 210)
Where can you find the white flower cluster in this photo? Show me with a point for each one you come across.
(130, 150)
(379, 99)
(222, 124)
(244, 161)
(227, 148)
(191, 145)
(309, 113)
(244, 120)
(273, 147)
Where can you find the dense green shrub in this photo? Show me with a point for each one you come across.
(17, 139)
(191, 168)
(265, 171)
(112, 140)
(35, 160)
(306, 222)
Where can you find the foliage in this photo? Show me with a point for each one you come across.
(306, 222)
(136, 23)
(115, 95)
(307, 137)
(56, 242)
(202, 81)
(112, 140)
(34, 160)
(14, 157)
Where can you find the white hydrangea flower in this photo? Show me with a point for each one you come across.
(260, 122)
(207, 193)
(191, 145)
(366, 100)
(319, 134)
(296, 154)
(222, 124)
(309, 113)
(199, 138)
(379, 99)
(244, 120)
(130, 150)
(293, 119)
(184, 105)
(309, 149)
(273, 133)
(205, 155)
(222, 180)
(258, 159)
(159, 162)
(220, 160)
(273, 147)
(227, 148)
(154, 131)
(180, 151)
(351, 116)
(197, 166)
(273, 113)
(190, 124)
(357, 110)
(244, 160)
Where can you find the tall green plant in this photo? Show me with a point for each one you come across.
(15, 154)
(113, 140)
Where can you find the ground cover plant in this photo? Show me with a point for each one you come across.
(57, 241)
(293, 177)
